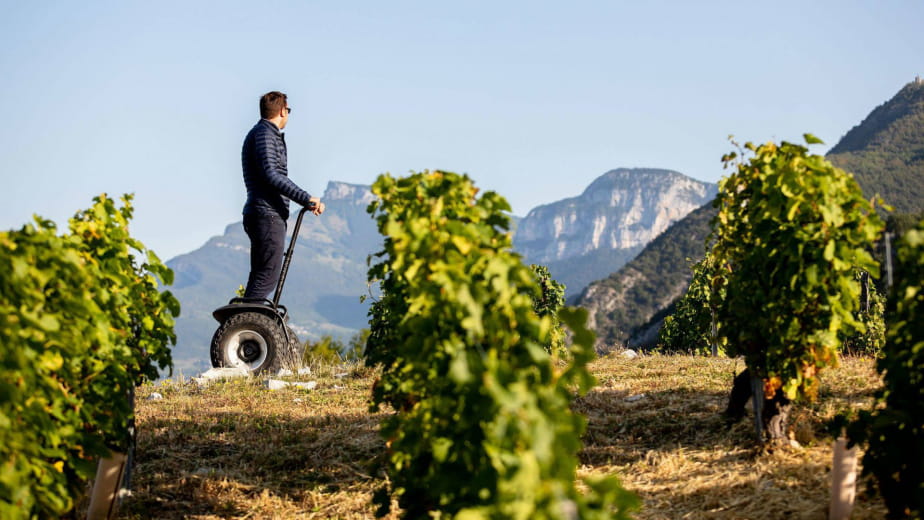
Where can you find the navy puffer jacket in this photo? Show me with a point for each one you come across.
(266, 173)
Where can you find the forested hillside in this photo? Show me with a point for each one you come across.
(658, 275)
(886, 151)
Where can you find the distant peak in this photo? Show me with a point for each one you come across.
(914, 86)
(877, 128)
(653, 172)
(623, 175)
(355, 193)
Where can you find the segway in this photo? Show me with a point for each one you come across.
(253, 332)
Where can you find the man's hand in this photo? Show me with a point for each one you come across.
(315, 205)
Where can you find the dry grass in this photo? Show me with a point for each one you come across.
(674, 449)
(235, 450)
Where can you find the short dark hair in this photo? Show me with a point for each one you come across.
(271, 104)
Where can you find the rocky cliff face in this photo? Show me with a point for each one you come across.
(586, 238)
(356, 194)
(622, 209)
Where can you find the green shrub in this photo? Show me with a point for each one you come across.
(356, 347)
(81, 324)
(330, 351)
(483, 427)
(325, 351)
(895, 433)
(870, 341)
(692, 328)
(550, 300)
(792, 229)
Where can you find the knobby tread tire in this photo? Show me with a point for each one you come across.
(296, 351)
(265, 326)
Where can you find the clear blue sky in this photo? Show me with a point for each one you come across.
(532, 99)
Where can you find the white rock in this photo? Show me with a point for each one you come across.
(310, 385)
(286, 372)
(297, 400)
(341, 375)
(155, 396)
(356, 195)
(275, 384)
(629, 354)
(225, 373)
(634, 398)
(217, 374)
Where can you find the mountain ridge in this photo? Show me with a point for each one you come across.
(328, 272)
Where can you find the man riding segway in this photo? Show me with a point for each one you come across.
(253, 333)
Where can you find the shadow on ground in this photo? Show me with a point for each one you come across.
(182, 462)
(623, 427)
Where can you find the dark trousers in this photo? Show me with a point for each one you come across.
(267, 234)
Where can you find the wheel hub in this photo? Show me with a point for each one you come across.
(246, 349)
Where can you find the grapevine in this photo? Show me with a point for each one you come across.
(81, 323)
(483, 427)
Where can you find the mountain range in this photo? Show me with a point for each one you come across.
(623, 247)
(580, 239)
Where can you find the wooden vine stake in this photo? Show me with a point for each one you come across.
(104, 499)
(843, 480)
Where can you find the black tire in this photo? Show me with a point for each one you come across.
(294, 356)
(250, 340)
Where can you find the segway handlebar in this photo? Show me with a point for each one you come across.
(288, 254)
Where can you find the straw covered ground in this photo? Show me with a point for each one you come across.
(236, 450)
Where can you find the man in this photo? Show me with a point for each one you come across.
(269, 189)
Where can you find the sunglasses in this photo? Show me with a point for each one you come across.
(288, 110)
